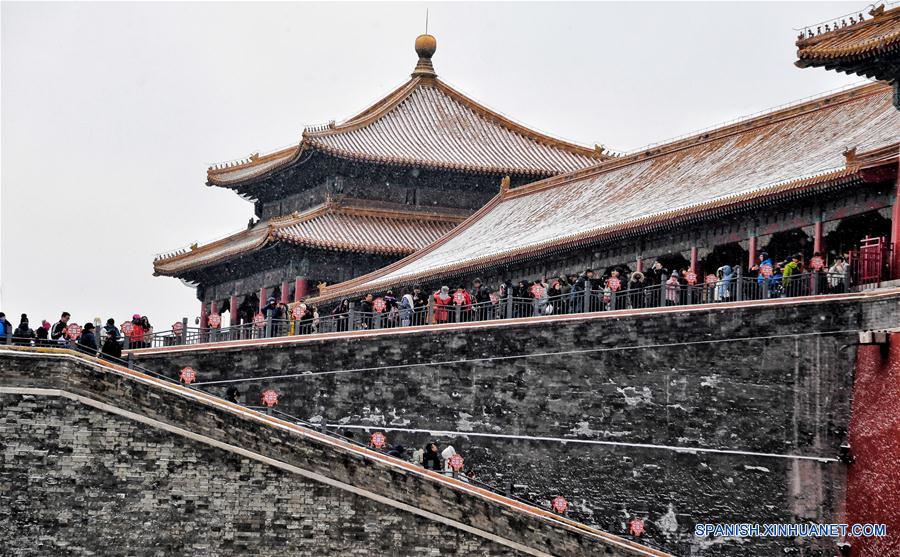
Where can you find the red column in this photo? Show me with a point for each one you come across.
(203, 316)
(639, 265)
(895, 232)
(284, 292)
(262, 298)
(752, 256)
(301, 287)
(818, 240)
(232, 310)
(693, 259)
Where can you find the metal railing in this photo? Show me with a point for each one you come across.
(585, 297)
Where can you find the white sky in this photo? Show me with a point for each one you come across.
(111, 112)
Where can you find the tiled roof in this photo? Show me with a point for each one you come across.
(367, 231)
(853, 44)
(427, 123)
(730, 166)
(340, 226)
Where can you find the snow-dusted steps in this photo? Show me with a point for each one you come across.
(100, 459)
(675, 416)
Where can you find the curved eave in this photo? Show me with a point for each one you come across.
(700, 212)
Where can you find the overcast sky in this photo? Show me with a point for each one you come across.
(112, 112)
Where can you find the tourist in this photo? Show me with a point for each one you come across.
(723, 286)
(462, 304)
(231, 394)
(418, 456)
(420, 299)
(446, 454)
(4, 327)
(407, 309)
(582, 288)
(112, 347)
(636, 284)
(87, 342)
(135, 336)
(673, 289)
(42, 333)
(481, 296)
(59, 328)
(366, 310)
(837, 274)
(431, 460)
(791, 281)
(341, 314)
(397, 451)
(23, 334)
(442, 301)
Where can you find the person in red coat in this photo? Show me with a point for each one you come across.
(463, 300)
(442, 300)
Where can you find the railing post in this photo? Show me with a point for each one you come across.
(350, 316)
(739, 294)
(429, 318)
(586, 302)
(457, 311)
(612, 299)
(8, 334)
(184, 328)
(127, 341)
(815, 283)
(534, 308)
(509, 303)
(847, 278)
(130, 360)
(269, 324)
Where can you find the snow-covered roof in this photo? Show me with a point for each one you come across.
(733, 165)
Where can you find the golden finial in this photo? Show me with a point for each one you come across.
(600, 149)
(504, 185)
(426, 45)
(194, 246)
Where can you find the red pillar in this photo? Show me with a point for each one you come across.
(895, 232)
(639, 264)
(284, 292)
(262, 298)
(301, 287)
(232, 310)
(752, 256)
(203, 316)
(818, 240)
(693, 259)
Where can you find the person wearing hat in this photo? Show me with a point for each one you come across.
(87, 342)
(23, 334)
(42, 333)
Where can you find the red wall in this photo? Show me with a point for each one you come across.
(873, 489)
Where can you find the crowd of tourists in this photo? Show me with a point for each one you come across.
(89, 338)
(617, 288)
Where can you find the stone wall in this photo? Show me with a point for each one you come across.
(678, 417)
(97, 462)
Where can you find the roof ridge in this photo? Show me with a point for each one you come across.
(808, 38)
(707, 136)
(370, 114)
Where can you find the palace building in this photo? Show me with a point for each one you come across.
(818, 176)
(353, 197)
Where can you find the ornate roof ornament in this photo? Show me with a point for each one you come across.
(426, 45)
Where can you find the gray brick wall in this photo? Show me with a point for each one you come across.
(120, 487)
(757, 380)
(82, 481)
